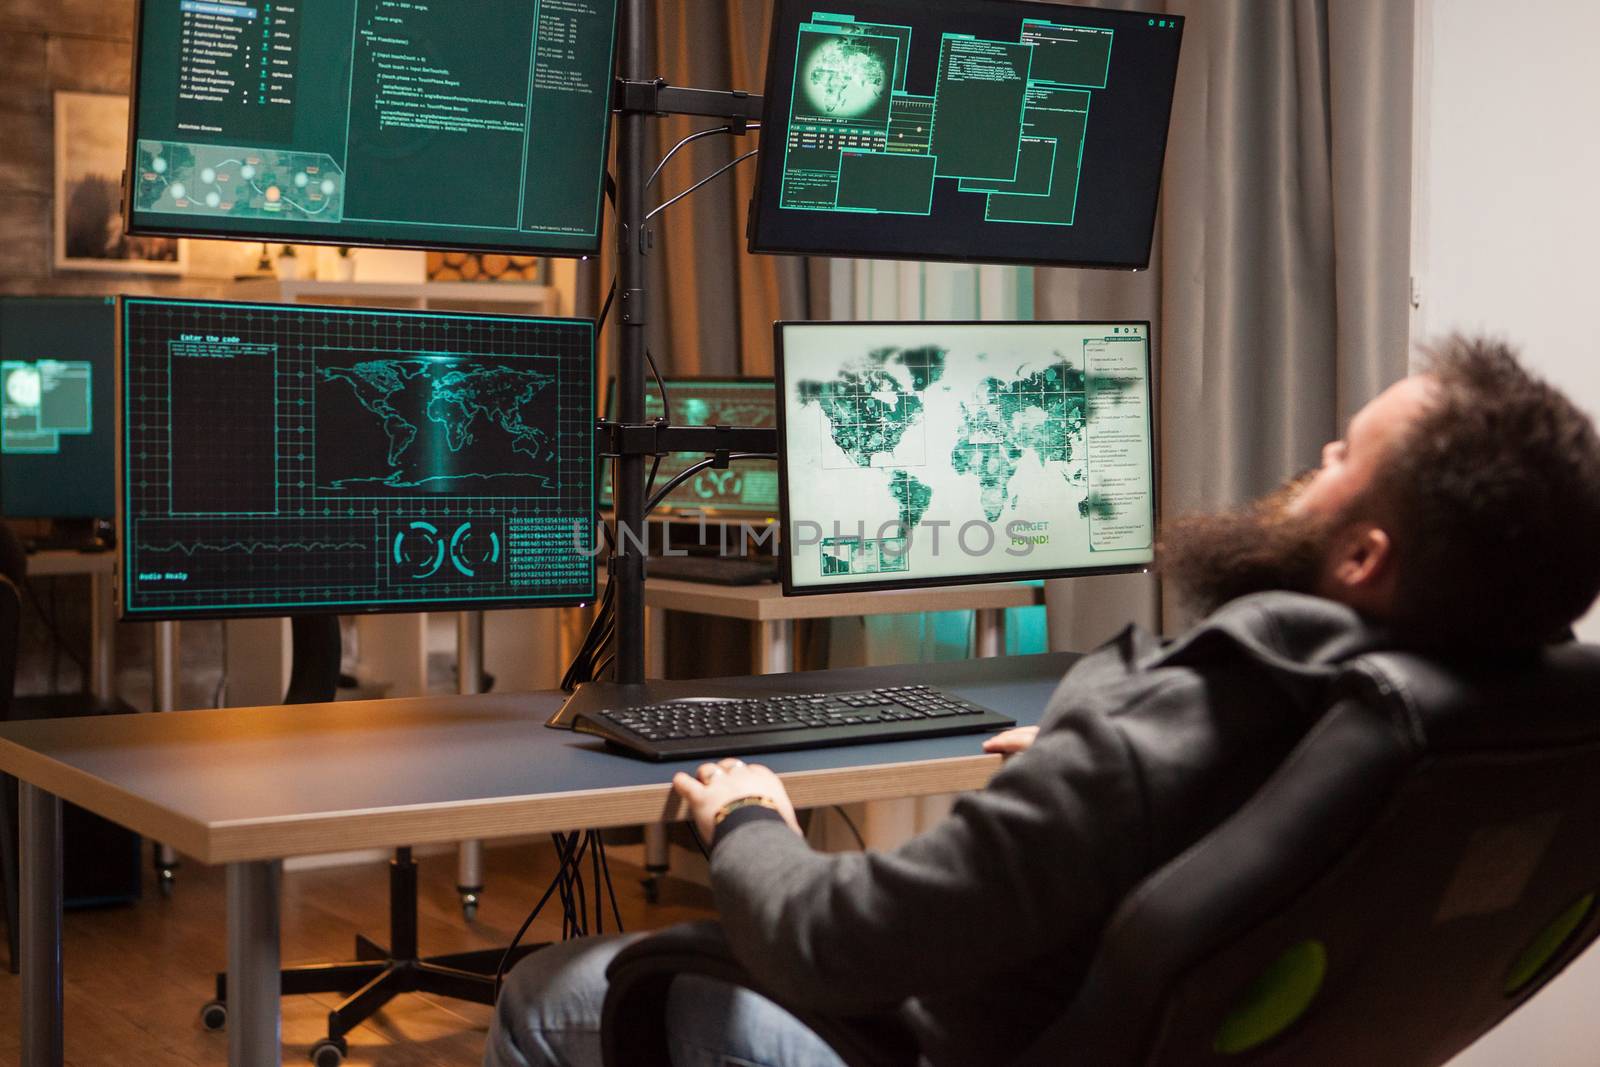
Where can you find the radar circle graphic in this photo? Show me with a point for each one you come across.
(419, 551)
(471, 550)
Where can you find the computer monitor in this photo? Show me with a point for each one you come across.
(57, 442)
(939, 453)
(973, 130)
(368, 122)
(745, 489)
(280, 460)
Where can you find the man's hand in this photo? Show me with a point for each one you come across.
(1010, 742)
(716, 784)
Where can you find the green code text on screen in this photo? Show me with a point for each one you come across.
(960, 129)
(476, 124)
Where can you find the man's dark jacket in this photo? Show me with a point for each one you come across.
(979, 931)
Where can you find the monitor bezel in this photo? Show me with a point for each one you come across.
(668, 511)
(116, 353)
(454, 244)
(170, 614)
(785, 567)
(770, 100)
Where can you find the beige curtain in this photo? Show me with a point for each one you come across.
(715, 304)
(1278, 285)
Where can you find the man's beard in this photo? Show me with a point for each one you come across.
(1214, 558)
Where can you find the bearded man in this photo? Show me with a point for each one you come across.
(1459, 516)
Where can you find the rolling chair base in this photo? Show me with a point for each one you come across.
(377, 975)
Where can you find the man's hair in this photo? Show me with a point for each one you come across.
(1495, 497)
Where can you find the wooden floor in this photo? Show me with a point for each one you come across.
(136, 977)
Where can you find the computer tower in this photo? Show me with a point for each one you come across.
(99, 859)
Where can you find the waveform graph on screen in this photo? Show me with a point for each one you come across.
(291, 459)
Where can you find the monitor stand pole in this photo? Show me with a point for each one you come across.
(166, 673)
(314, 670)
(378, 974)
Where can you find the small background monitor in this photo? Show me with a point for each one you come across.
(974, 130)
(927, 453)
(295, 459)
(480, 127)
(57, 441)
(747, 488)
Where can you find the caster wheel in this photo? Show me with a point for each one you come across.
(469, 906)
(214, 1015)
(329, 1052)
(652, 890)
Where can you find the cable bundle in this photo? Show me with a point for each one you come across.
(569, 885)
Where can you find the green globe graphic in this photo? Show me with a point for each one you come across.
(24, 387)
(845, 78)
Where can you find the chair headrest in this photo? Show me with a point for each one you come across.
(1529, 698)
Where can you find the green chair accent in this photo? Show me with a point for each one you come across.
(1276, 1000)
(1551, 940)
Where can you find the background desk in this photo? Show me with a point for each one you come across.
(774, 615)
(246, 787)
(99, 566)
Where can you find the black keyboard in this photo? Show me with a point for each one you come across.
(710, 726)
(715, 570)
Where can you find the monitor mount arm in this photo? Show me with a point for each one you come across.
(656, 97)
(614, 440)
(638, 99)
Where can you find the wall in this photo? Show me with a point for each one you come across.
(47, 46)
(1506, 224)
(1505, 239)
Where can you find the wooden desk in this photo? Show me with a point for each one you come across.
(247, 787)
(774, 614)
(100, 567)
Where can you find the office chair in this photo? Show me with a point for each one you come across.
(10, 638)
(1422, 864)
(378, 973)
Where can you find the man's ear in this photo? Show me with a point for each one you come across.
(1365, 559)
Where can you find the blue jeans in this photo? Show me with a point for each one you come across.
(549, 1016)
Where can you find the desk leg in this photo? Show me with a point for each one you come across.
(469, 680)
(655, 645)
(989, 633)
(469, 877)
(102, 639)
(254, 1022)
(657, 860)
(774, 646)
(41, 927)
(657, 848)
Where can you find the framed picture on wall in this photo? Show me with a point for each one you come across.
(91, 148)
